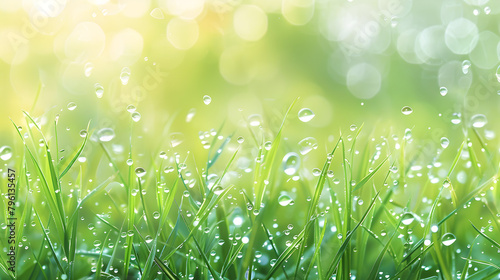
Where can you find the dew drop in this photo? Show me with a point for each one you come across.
(456, 118)
(407, 218)
(479, 120)
(306, 115)
(136, 116)
(240, 139)
(87, 69)
(307, 144)
(156, 215)
(5, 153)
(443, 91)
(106, 134)
(448, 239)
(176, 139)
(466, 66)
(71, 106)
(125, 75)
(83, 133)
(444, 142)
(291, 163)
(207, 99)
(254, 120)
(140, 172)
(190, 114)
(498, 74)
(406, 110)
(284, 200)
(148, 239)
(129, 162)
(131, 108)
(99, 90)
(157, 13)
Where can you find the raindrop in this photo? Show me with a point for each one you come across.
(157, 13)
(5, 152)
(307, 144)
(254, 120)
(190, 114)
(71, 106)
(106, 134)
(129, 162)
(406, 110)
(456, 118)
(125, 75)
(240, 139)
(88, 69)
(284, 200)
(479, 120)
(131, 108)
(83, 133)
(207, 99)
(99, 90)
(466, 66)
(176, 139)
(291, 163)
(156, 215)
(306, 114)
(139, 172)
(148, 239)
(448, 239)
(444, 142)
(97, 243)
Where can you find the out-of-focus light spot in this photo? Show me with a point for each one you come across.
(126, 46)
(185, 9)
(250, 22)
(136, 9)
(485, 54)
(297, 12)
(461, 36)
(364, 81)
(86, 41)
(182, 34)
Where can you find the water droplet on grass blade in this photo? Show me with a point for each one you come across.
(207, 99)
(140, 172)
(106, 134)
(448, 239)
(291, 163)
(444, 142)
(443, 91)
(254, 120)
(99, 90)
(406, 110)
(148, 239)
(129, 162)
(5, 152)
(83, 133)
(131, 108)
(306, 115)
(479, 120)
(284, 200)
(156, 215)
(71, 106)
(466, 66)
(136, 116)
(125, 75)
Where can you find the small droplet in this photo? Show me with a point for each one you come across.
(291, 163)
(125, 75)
(83, 133)
(156, 215)
(307, 144)
(479, 120)
(444, 142)
(498, 74)
(88, 69)
(466, 66)
(129, 162)
(456, 118)
(448, 239)
(207, 99)
(406, 110)
(407, 218)
(131, 108)
(106, 134)
(254, 120)
(443, 91)
(136, 116)
(190, 114)
(5, 152)
(240, 139)
(140, 172)
(306, 115)
(99, 90)
(71, 106)
(176, 139)
(157, 13)
(284, 200)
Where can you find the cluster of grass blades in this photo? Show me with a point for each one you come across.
(382, 211)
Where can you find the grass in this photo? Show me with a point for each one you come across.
(99, 217)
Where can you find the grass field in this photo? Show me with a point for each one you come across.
(259, 139)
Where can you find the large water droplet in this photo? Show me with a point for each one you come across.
(71, 106)
(139, 172)
(136, 116)
(207, 99)
(106, 134)
(307, 144)
(99, 90)
(306, 114)
(406, 110)
(284, 200)
(5, 152)
(479, 120)
(148, 239)
(125, 75)
(407, 218)
(448, 239)
(444, 142)
(291, 163)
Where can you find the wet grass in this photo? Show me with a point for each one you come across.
(379, 208)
